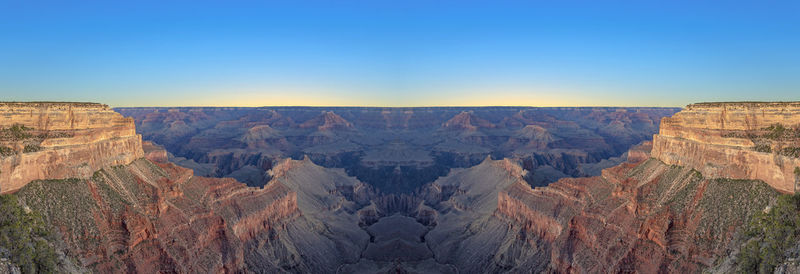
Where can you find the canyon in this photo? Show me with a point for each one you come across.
(418, 190)
(397, 150)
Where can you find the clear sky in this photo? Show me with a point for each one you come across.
(399, 53)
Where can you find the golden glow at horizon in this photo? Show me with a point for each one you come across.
(503, 96)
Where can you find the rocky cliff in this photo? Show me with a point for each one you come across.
(734, 140)
(638, 217)
(150, 217)
(62, 140)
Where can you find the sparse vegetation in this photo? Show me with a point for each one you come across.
(771, 234)
(51, 134)
(6, 151)
(16, 132)
(790, 152)
(763, 148)
(66, 203)
(775, 131)
(31, 148)
(730, 203)
(25, 236)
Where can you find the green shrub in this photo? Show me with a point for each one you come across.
(6, 151)
(26, 237)
(775, 131)
(791, 152)
(763, 148)
(31, 148)
(18, 131)
(771, 234)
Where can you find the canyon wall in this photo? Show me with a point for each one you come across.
(150, 217)
(757, 141)
(62, 140)
(641, 216)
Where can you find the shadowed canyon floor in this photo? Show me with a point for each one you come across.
(422, 190)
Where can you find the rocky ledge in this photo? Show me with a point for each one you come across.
(50, 140)
(743, 140)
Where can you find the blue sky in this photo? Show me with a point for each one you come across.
(399, 53)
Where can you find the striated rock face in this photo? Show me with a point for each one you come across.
(642, 217)
(759, 141)
(151, 217)
(62, 140)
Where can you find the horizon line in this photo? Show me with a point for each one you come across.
(368, 106)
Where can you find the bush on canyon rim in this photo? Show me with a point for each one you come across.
(24, 235)
(770, 235)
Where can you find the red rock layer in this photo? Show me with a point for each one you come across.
(643, 217)
(638, 217)
(150, 217)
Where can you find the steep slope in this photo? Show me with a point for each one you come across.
(62, 140)
(152, 217)
(644, 217)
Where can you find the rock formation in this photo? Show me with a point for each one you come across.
(734, 140)
(62, 140)
(641, 217)
(466, 121)
(158, 217)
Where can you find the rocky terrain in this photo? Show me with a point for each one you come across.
(150, 217)
(653, 208)
(62, 140)
(397, 150)
(641, 217)
(735, 140)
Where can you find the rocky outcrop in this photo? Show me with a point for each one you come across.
(639, 217)
(154, 152)
(758, 141)
(466, 121)
(62, 140)
(153, 217)
(327, 121)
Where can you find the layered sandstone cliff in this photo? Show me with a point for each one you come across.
(745, 140)
(42, 140)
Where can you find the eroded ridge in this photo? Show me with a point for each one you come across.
(44, 140)
(745, 140)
